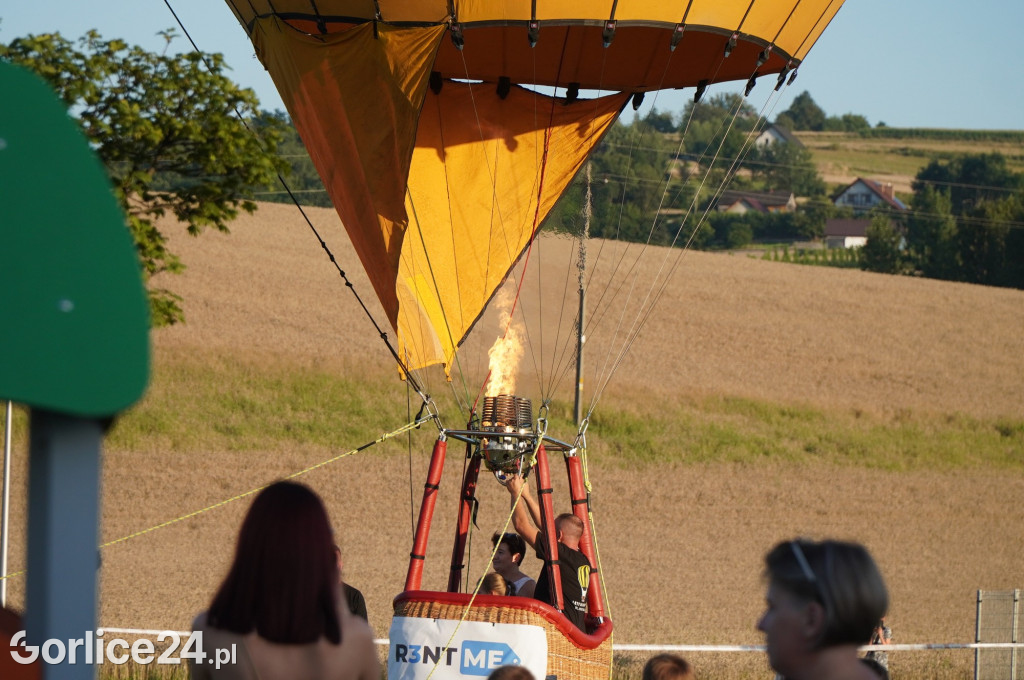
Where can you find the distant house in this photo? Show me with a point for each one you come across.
(864, 194)
(846, 233)
(740, 202)
(774, 134)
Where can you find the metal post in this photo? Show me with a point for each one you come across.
(977, 636)
(63, 532)
(1013, 637)
(5, 506)
(581, 266)
(580, 339)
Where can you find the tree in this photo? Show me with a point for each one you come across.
(964, 223)
(660, 121)
(983, 237)
(848, 122)
(303, 180)
(165, 127)
(810, 218)
(740, 235)
(932, 234)
(970, 179)
(629, 171)
(882, 253)
(802, 114)
(789, 167)
(1010, 211)
(718, 126)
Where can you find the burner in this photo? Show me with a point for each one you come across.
(506, 414)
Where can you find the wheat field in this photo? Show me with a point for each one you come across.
(681, 543)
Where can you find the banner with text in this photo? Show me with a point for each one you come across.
(477, 648)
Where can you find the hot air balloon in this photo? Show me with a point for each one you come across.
(444, 132)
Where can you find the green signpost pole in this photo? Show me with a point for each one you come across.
(75, 348)
(63, 531)
(5, 505)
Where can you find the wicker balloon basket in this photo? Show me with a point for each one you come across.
(572, 655)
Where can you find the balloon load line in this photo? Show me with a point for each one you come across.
(195, 513)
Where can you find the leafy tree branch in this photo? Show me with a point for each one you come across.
(170, 131)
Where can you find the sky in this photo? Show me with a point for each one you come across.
(905, 63)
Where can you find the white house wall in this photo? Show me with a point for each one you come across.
(859, 196)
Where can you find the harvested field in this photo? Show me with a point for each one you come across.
(681, 543)
(724, 325)
(843, 157)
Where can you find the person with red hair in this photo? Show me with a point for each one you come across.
(278, 604)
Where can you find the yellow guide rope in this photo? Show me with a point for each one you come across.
(384, 437)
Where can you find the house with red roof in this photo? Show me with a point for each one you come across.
(864, 194)
(740, 202)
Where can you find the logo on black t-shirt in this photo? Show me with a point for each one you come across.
(583, 575)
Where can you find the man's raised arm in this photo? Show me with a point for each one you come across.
(524, 510)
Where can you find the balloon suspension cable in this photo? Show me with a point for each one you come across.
(612, 361)
(635, 143)
(476, 591)
(580, 442)
(430, 269)
(536, 220)
(348, 284)
(412, 502)
(428, 411)
(472, 410)
(529, 461)
(614, 358)
(542, 427)
(657, 290)
(558, 359)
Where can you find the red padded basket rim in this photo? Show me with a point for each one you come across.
(549, 613)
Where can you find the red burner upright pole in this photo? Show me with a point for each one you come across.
(578, 493)
(547, 516)
(419, 548)
(462, 529)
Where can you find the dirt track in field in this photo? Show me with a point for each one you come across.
(681, 545)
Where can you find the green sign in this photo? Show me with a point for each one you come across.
(74, 321)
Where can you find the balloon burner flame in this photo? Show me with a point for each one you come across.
(507, 350)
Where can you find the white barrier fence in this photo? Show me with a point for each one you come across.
(143, 632)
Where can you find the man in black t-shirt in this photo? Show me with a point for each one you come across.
(352, 597)
(574, 567)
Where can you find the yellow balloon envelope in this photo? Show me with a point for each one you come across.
(440, 164)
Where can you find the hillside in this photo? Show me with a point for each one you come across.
(725, 325)
(897, 157)
(681, 541)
